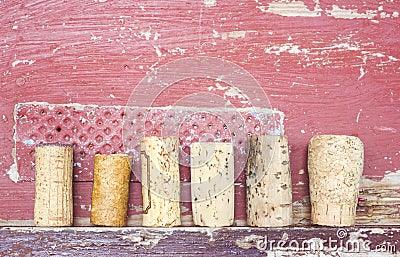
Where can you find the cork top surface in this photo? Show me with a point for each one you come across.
(266, 135)
(114, 154)
(54, 144)
(337, 137)
(161, 138)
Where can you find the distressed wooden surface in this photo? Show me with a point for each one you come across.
(331, 67)
(366, 241)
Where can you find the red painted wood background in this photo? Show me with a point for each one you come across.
(329, 66)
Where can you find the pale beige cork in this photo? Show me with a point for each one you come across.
(335, 166)
(212, 184)
(160, 181)
(268, 182)
(53, 196)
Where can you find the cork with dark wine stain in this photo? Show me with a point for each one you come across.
(53, 197)
(110, 189)
(335, 166)
(268, 182)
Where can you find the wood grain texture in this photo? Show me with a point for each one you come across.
(363, 241)
(320, 62)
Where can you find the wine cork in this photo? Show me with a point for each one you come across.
(110, 189)
(335, 166)
(160, 181)
(212, 184)
(53, 197)
(268, 180)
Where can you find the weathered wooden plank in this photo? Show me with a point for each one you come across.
(201, 241)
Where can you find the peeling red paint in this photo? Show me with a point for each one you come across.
(328, 75)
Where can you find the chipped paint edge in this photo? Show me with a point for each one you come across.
(12, 172)
(78, 106)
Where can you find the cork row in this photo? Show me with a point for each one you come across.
(335, 164)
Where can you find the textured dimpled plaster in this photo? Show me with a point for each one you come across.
(109, 130)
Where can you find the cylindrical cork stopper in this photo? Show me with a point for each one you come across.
(269, 186)
(53, 199)
(110, 189)
(335, 166)
(212, 184)
(160, 181)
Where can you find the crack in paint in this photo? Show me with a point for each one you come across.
(12, 172)
(16, 62)
(147, 239)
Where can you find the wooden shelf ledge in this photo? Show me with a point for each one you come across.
(199, 241)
